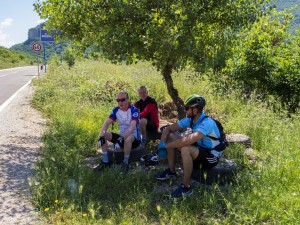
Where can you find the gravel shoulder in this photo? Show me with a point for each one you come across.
(21, 128)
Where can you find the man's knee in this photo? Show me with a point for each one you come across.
(129, 139)
(143, 122)
(108, 136)
(173, 137)
(189, 151)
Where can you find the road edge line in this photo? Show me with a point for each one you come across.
(6, 103)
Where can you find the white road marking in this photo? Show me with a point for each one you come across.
(6, 103)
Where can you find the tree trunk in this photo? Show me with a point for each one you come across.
(167, 74)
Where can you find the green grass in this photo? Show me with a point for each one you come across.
(79, 100)
(10, 58)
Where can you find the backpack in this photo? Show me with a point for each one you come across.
(223, 142)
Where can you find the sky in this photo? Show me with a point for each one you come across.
(16, 18)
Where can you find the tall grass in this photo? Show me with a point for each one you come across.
(79, 100)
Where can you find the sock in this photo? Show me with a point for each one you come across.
(105, 157)
(144, 137)
(126, 159)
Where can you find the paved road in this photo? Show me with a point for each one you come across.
(11, 80)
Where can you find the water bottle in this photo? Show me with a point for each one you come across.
(72, 185)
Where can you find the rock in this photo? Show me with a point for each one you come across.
(239, 138)
(222, 174)
(118, 156)
(250, 154)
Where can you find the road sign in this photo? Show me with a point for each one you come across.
(44, 35)
(36, 46)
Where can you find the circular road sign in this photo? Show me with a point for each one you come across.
(36, 46)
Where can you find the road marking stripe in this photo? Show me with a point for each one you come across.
(6, 103)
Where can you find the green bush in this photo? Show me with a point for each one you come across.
(266, 61)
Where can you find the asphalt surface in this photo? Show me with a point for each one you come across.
(11, 80)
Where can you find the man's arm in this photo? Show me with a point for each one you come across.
(105, 126)
(149, 107)
(185, 141)
(169, 129)
(129, 130)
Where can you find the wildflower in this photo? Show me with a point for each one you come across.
(56, 201)
(46, 209)
(84, 214)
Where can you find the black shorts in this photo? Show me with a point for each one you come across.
(205, 160)
(115, 137)
(151, 126)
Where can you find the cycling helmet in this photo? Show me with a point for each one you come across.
(194, 100)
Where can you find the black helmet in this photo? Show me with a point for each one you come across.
(194, 100)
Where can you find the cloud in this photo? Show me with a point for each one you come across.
(4, 37)
(6, 23)
(41, 21)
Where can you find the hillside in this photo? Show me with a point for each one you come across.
(11, 58)
(33, 36)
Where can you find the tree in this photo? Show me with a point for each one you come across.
(266, 60)
(69, 56)
(170, 34)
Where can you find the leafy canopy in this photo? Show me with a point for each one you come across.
(161, 31)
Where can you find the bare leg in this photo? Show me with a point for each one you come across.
(128, 145)
(172, 152)
(143, 124)
(188, 154)
(108, 137)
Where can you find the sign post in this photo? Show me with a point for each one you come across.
(36, 47)
(45, 37)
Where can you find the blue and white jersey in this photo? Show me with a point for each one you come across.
(207, 127)
(125, 117)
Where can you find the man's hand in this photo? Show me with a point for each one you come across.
(101, 141)
(119, 142)
(162, 150)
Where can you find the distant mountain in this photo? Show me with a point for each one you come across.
(33, 36)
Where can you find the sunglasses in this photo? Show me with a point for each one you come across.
(121, 99)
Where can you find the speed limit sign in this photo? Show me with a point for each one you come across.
(36, 46)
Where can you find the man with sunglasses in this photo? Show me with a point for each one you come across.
(127, 117)
(197, 149)
(148, 113)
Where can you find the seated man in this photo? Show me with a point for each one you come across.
(197, 149)
(127, 117)
(148, 113)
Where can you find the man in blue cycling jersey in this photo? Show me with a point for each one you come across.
(127, 117)
(197, 149)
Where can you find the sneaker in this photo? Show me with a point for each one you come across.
(165, 175)
(181, 191)
(102, 165)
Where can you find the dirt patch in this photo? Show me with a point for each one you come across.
(21, 128)
(168, 112)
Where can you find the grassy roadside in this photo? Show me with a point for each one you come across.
(77, 102)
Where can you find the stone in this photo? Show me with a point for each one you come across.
(224, 173)
(117, 156)
(239, 138)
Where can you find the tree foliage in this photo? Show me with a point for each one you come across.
(171, 34)
(267, 59)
